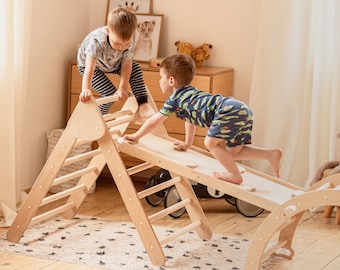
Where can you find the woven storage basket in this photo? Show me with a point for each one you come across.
(52, 138)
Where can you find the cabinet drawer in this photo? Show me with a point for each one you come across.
(151, 79)
(202, 83)
(222, 84)
(75, 80)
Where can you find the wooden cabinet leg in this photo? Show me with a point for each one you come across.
(327, 213)
(337, 216)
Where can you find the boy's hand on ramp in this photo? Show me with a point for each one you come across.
(125, 139)
(180, 146)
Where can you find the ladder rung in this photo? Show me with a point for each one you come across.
(120, 121)
(62, 194)
(117, 114)
(80, 142)
(108, 99)
(115, 132)
(169, 210)
(139, 168)
(273, 248)
(178, 233)
(73, 175)
(82, 156)
(53, 212)
(152, 190)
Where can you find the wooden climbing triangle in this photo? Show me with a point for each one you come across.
(87, 124)
(285, 201)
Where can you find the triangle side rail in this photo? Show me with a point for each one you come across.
(85, 124)
(40, 187)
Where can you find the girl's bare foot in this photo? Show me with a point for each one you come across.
(229, 177)
(275, 161)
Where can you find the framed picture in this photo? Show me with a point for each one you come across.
(147, 36)
(140, 6)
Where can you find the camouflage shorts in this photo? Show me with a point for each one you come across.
(233, 122)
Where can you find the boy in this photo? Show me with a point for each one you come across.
(109, 49)
(229, 121)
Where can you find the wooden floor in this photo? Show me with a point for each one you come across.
(316, 242)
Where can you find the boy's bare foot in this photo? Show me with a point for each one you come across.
(275, 160)
(145, 111)
(229, 177)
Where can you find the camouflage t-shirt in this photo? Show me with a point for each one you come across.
(192, 105)
(97, 45)
(226, 117)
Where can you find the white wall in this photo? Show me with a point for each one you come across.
(59, 25)
(229, 25)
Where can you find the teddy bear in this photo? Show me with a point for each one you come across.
(327, 169)
(201, 53)
(184, 47)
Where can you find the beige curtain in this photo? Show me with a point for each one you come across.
(295, 93)
(15, 23)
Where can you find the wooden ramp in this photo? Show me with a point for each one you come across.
(285, 201)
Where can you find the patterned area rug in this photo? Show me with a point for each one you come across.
(116, 245)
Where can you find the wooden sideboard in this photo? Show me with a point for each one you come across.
(216, 80)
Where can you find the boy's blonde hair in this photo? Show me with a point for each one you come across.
(180, 66)
(122, 22)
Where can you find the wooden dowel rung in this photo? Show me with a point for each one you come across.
(62, 194)
(82, 156)
(166, 211)
(80, 142)
(115, 132)
(72, 175)
(273, 248)
(112, 98)
(120, 121)
(108, 99)
(53, 212)
(117, 114)
(139, 168)
(178, 233)
(152, 190)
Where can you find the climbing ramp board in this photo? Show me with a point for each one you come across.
(285, 201)
(269, 191)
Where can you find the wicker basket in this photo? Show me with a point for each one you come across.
(52, 138)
